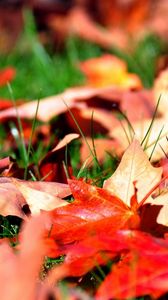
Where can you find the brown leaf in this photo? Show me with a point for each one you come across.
(16, 194)
(103, 148)
(54, 105)
(38, 200)
(138, 105)
(134, 167)
(88, 29)
(161, 92)
(4, 163)
(159, 130)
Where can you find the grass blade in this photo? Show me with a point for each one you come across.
(147, 135)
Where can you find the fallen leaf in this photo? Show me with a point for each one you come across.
(134, 167)
(106, 103)
(26, 265)
(38, 200)
(142, 272)
(100, 120)
(156, 23)
(109, 70)
(4, 163)
(95, 250)
(160, 90)
(156, 141)
(20, 198)
(51, 167)
(128, 15)
(6, 75)
(139, 262)
(54, 105)
(138, 105)
(89, 30)
(112, 207)
(5, 103)
(104, 148)
(91, 206)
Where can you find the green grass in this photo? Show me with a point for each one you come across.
(41, 74)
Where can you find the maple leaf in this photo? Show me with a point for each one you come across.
(134, 167)
(156, 138)
(81, 102)
(19, 197)
(118, 205)
(141, 272)
(88, 29)
(79, 98)
(109, 70)
(91, 205)
(20, 272)
(160, 90)
(138, 105)
(140, 268)
(93, 251)
(51, 106)
(103, 147)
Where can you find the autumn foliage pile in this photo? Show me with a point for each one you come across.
(124, 223)
(88, 218)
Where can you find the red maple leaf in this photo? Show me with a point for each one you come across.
(121, 204)
(143, 271)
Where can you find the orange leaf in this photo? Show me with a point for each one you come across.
(119, 204)
(142, 272)
(93, 210)
(109, 70)
(21, 271)
(6, 75)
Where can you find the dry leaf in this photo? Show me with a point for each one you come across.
(20, 272)
(38, 200)
(104, 148)
(134, 167)
(160, 90)
(51, 167)
(16, 194)
(54, 105)
(109, 70)
(156, 141)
